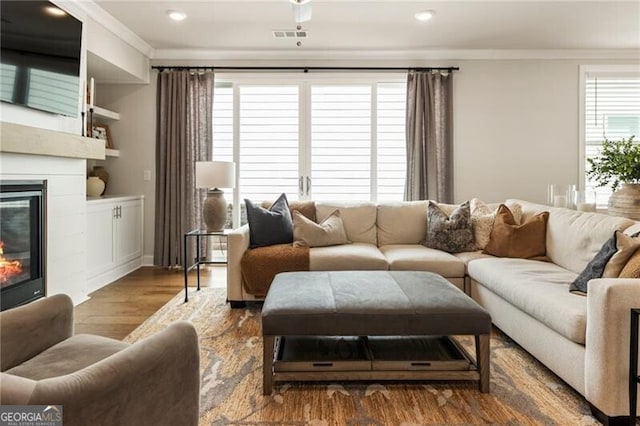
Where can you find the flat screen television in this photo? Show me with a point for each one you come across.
(40, 56)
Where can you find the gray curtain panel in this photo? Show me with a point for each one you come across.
(429, 137)
(183, 136)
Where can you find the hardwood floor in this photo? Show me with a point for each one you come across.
(118, 308)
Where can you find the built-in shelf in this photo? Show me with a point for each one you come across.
(105, 114)
(112, 152)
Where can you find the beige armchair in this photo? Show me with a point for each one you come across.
(98, 381)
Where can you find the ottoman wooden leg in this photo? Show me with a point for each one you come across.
(483, 359)
(267, 364)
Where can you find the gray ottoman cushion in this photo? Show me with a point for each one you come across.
(369, 303)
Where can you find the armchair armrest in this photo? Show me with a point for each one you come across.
(609, 301)
(154, 381)
(238, 243)
(30, 329)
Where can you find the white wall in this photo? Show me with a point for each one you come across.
(515, 129)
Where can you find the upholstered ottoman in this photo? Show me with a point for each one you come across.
(371, 303)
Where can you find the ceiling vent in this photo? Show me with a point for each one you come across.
(290, 33)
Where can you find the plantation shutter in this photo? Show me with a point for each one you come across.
(391, 144)
(268, 139)
(341, 142)
(612, 111)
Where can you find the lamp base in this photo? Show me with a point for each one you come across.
(214, 210)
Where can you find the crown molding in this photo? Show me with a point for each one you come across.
(426, 54)
(98, 14)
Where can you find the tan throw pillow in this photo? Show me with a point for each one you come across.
(626, 246)
(482, 217)
(329, 232)
(632, 268)
(526, 241)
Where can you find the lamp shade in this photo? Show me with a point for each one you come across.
(215, 174)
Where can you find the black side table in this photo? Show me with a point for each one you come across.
(634, 379)
(198, 234)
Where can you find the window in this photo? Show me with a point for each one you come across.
(611, 111)
(312, 139)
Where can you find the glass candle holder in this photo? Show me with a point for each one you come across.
(561, 195)
(585, 201)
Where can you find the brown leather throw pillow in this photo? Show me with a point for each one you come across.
(525, 241)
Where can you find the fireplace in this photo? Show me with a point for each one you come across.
(22, 241)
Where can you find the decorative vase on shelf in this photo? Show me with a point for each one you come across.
(95, 186)
(626, 201)
(101, 173)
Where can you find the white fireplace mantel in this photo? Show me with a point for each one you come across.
(19, 139)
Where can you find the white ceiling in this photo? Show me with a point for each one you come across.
(365, 25)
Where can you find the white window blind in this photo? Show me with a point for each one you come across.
(341, 142)
(223, 123)
(612, 111)
(391, 141)
(269, 141)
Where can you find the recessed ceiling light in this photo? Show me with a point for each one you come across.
(425, 15)
(299, 1)
(176, 15)
(55, 11)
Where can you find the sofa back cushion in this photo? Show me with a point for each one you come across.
(402, 222)
(573, 237)
(359, 219)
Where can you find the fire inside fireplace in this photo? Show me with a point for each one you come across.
(22, 220)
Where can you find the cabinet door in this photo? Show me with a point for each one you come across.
(100, 241)
(129, 231)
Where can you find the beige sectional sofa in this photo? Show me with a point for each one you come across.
(583, 339)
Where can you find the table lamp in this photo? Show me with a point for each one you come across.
(214, 175)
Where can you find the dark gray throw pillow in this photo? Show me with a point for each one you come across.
(269, 227)
(453, 234)
(595, 268)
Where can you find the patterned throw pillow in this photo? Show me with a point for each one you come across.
(482, 217)
(453, 234)
(524, 241)
(269, 227)
(330, 232)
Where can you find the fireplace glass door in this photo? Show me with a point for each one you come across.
(21, 242)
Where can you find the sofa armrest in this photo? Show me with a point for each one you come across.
(155, 381)
(237, 244)
(30, 329)
(609, 302)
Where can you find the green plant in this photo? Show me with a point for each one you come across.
(619, 162)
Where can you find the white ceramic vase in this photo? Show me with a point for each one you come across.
(95, 186)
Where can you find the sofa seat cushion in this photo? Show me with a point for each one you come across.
(355, 256)
(540, 289)
(68, 356)
(468, 256)
(416, 257)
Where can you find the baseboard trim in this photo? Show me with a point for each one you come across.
(609, 420)
(147, 260)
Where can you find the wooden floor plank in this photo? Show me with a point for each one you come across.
(118, 308)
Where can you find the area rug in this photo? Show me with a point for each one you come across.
(523, 391)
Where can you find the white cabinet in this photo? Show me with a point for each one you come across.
(114, 239)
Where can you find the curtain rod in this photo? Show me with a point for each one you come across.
(161, 68)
